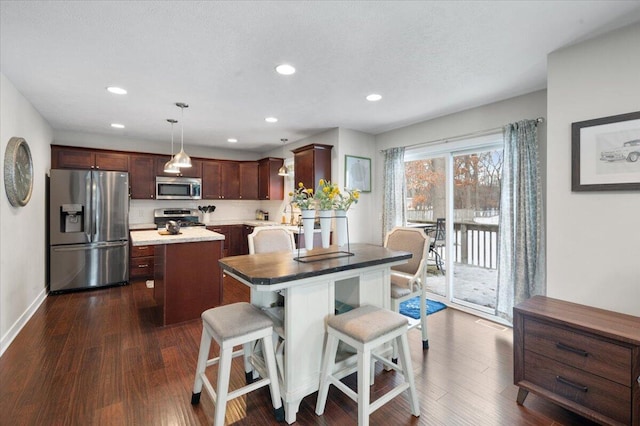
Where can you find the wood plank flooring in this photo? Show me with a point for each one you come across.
(100, 358)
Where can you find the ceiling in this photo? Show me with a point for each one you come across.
(426, 59)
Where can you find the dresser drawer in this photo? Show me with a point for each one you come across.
(596, 393)
(141, 251)
(141, 267)
(596, 356)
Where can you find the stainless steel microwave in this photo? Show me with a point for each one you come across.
(178, 188)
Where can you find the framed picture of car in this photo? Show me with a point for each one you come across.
(605, 153)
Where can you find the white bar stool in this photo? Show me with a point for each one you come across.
(366, 328)
(233, 325)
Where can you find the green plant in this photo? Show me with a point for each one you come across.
(343, 201)
(302, 197)
(326, 194)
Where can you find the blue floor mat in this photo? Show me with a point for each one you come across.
(411, 307)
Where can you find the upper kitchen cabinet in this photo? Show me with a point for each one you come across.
(229, 180)
(211, 180)
(195, 171)
(312, 163)
(220, 180)
(270, 185)
(142, 176)
(248, 180)
(64, 157)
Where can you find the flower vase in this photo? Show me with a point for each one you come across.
(341, 227)
(325, 227)
(308, 218)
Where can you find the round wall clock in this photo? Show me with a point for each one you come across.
(18, 172)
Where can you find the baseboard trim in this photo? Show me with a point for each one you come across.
(22, 321)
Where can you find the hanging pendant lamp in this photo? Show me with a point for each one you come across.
(169, 166)
(181, 159)
(283, 171)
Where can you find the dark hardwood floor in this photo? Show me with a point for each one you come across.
(100, 357)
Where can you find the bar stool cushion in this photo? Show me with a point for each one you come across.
(235, 320)
(367, 323)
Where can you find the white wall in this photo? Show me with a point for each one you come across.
(593, 238)
(496, 115)
(22, 229)
(362, 216)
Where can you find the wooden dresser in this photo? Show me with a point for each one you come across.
(582, 358)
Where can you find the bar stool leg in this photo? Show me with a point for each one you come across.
(248, 368)
(272, 370)
(327, 366)
(364, 365)
(224, 370)
(403, 348)
(203, 356)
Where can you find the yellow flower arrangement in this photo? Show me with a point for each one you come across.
(302, 197)
(344, 201)
(326, 194)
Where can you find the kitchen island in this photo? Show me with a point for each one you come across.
(186, 272)
(309, 290)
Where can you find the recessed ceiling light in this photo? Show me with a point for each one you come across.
(271, 120)
(117, 125)
(285, 69)
(116, 90)
(232, 140)
(374, 97)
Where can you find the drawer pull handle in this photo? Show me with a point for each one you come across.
(570, 383)
(143, 266)
(564, 347)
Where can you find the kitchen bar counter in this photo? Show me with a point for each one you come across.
(310, 291)
(187, 235)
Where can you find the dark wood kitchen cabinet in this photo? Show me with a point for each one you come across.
(312, 163)
(248, 180)
(211, 179)
(232, 245)
(195, 171)
(63, 157)
(229, 180)
(244, 246)
(141, 263)
(582, 358)
(270, 185)
(142, 176)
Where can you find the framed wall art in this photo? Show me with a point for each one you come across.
(605, 153)
(357, 173)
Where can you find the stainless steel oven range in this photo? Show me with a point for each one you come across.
(184, 216)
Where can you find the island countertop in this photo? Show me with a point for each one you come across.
(267, 269)
(186, 235)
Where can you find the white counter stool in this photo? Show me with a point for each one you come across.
(367, 328)
(233, 325)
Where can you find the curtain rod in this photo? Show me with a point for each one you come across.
(466, 135)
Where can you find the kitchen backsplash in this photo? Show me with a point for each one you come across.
(141, 211)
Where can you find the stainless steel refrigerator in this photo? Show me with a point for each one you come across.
(88, 229)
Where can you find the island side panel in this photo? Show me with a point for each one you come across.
(192, 280)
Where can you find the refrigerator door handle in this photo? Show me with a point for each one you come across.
(91, 246)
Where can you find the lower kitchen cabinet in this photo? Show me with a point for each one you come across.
(582, 358)
(141, 262)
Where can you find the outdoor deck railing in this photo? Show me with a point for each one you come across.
(474, 244)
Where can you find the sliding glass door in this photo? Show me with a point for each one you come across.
(459, 184)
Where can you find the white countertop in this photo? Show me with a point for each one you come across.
(250, 222)
(186, 235)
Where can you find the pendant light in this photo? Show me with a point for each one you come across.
(283, 171)
(181, 159)
(169, 166)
